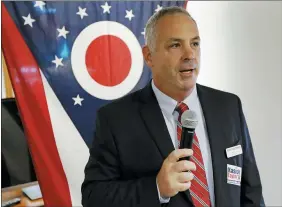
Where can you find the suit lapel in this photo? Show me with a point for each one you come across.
(154, 121)
(215, 129)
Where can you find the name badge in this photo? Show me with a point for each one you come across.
(233, 151)
(234, 174)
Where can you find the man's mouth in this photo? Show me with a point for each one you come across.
(187, 70)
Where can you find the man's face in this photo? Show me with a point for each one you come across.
(176, 57)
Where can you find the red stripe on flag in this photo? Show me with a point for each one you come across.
(33, 108)
(185, 4)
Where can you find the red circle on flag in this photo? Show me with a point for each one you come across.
(108, 60)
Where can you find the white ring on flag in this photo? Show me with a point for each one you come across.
(78, 55)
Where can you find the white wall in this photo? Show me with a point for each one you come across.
(242, 54)
(3, 89)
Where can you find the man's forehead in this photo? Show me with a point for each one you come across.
(178, 39)
(178, 36)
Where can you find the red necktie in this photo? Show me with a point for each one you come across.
(199, 188)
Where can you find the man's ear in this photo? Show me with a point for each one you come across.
(147, 56)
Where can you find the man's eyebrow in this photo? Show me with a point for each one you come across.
(196, 38)
(175, 39)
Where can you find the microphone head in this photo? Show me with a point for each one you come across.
(189, 119)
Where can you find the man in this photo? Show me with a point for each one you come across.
(135, 160)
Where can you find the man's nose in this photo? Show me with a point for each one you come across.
(188, 53)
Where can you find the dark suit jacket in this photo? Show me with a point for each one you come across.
(131, 142)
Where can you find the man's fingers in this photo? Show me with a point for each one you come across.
(185, 177)
(184, 165)
(183, 186)
(175, 155)
(169, 181)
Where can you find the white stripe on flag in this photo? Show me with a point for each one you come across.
(73, 151)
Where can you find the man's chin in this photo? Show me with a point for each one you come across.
(188, 85)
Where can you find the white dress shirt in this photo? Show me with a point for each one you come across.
(168, 106)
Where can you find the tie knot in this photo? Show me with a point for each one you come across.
(181, 107)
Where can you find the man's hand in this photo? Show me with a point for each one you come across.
(173, 176)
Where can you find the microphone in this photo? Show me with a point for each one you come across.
(189, 122)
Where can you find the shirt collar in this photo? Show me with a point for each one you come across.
(168, 104)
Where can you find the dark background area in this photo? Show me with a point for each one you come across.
(11, 157)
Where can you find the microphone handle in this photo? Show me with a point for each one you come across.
(186, 140)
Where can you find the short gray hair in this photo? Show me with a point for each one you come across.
(150, 29)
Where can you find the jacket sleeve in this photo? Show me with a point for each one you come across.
(251, 188)
(103, 185)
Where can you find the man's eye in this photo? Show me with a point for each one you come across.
(195, 44)
(175, 45)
